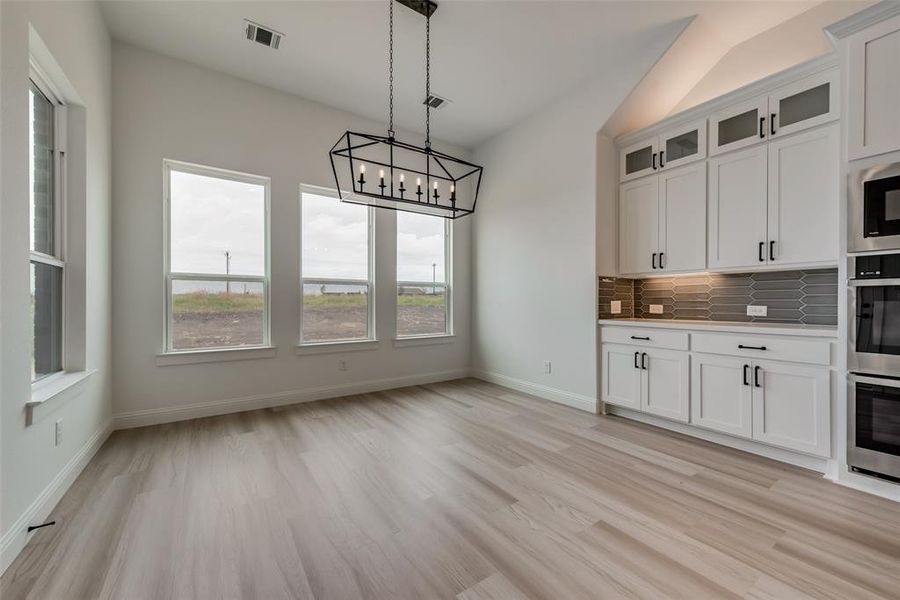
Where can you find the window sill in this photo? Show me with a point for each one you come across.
(424, 340)
(335, 347)
(56, 390)
(192, 357)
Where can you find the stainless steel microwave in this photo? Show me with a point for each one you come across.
(874, 205)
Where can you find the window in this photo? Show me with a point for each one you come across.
(47, 258)
(335, 269)
(217, 273)
(423, 275)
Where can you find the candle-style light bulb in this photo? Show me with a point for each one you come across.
(362, 176)
(381, 184)
(453, 191)
(362, 168)
(402, 189)
(402, 177)
(435, 194)
(419, 188)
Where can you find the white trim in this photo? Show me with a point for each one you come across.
(813, 463)
(12, 543)
(424, 340)
(170, 165)
(864, 18)
(335, 347)
(52, 392)
(585, 403)
(211, 355)
(171, 414)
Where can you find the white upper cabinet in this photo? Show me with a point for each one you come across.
(674, 147)
(806, 103)
(804, 184)
(739, 126)
(639, 225)
(874, 90)
(682, 219)
(738, 209)
(639, 159)
(681, 145)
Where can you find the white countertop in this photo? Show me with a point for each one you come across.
(770, 328)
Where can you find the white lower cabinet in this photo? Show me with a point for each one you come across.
(726, 387)
(650, 380)
(665, 384)
(721, 397)
(792, 407)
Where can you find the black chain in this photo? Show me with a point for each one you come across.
(428, 79)
(391, 71)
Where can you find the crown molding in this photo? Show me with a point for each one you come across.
(864, 18)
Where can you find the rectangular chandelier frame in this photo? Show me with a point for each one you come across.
(361, 150)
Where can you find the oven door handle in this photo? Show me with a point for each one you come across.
(872, 282)
(853, 378)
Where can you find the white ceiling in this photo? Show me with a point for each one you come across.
(498, 61)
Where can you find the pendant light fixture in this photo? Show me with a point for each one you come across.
(381, 171)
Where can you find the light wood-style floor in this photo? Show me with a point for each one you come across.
(455, 490)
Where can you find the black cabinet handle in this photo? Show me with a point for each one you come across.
(772, 123)
(662, 153)
(762, 256)
(644, 360)
(772, 250)
(654, 162)
(637, 337)
(654, 260)
(636, 365)
(746, 369)
(661, 265)
(756, 376)
(762, 127)
(743, 347)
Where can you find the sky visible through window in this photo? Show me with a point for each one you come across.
(335, 238)
(211, 216)
(420, 247)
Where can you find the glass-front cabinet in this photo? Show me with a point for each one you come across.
(739, 125)
(674, 147)
(805, 103)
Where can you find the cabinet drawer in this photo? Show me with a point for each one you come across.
(649, 338)
(816, 352)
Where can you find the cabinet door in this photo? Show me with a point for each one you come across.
(739, 125)
(682, 218)
(874, 90)
(721, 394)
(639, 159)
(806, 103)
(792, 407)
(621, 376)
(737, 209)
(638, 225)
(681, 145)
(664, 389)
(803, 197)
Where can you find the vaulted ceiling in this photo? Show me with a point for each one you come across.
(498, 61)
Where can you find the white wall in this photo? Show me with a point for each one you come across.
(791, 43)
(166, 108)
(536, 242)
(75, 34)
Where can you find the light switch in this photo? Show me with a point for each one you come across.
(615, 307)
(656, 309)
(757, 311)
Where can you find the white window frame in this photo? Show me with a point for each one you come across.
(58, 258)
(371, 338)
(218, 173)
(447, 285)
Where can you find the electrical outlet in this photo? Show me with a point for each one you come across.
(757, 311)
(615, 307)
(547, 366)
(342, 365)
(656, 309)
(57, 433)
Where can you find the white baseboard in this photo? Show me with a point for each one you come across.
(578, 401)
(16, 537)
(170, 414)
(801, 460)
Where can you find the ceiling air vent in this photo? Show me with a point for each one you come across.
(263, 35)
(435, 101)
